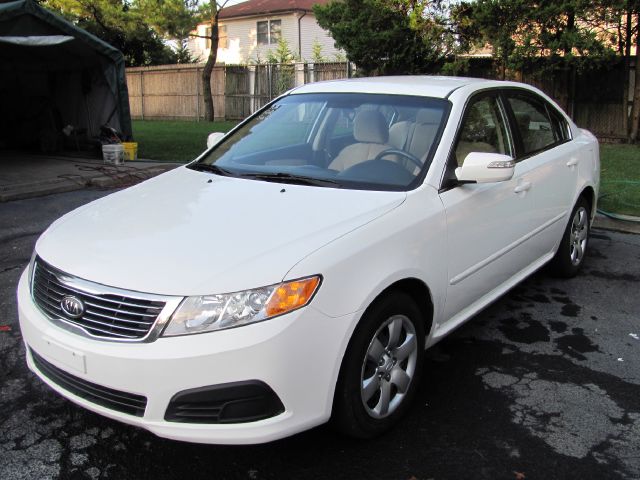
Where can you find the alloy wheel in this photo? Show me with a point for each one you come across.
(578, 236)
(389, 366)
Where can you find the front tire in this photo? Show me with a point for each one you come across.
(573, 247)
(381, 368)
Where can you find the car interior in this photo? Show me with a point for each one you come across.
(381, 143)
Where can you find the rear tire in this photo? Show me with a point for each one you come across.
(381, 368)
(573, 247)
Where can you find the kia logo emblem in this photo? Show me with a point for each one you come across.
(72, 306)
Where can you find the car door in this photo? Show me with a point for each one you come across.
(488, 224)
(544, 144)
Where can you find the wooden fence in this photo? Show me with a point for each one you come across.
(175, 91)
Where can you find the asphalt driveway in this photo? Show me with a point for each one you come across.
(545, 384)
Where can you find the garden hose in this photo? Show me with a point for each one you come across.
(619, 216)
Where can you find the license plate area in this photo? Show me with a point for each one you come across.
(64, 355)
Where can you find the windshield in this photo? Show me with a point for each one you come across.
(339, 140)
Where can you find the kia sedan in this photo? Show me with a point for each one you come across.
(297, 270)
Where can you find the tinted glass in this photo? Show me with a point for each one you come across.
(534, 124)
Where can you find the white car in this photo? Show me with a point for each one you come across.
(297, 270)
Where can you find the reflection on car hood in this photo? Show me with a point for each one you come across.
(194, 233)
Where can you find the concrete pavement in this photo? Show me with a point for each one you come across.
(24, 175)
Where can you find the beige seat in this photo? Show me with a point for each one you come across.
(415, 138)
(371, 134)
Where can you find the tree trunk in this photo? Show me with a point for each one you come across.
(627, 72)
(635, 114)
(208, 67)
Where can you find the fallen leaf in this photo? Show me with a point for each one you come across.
(5, 328)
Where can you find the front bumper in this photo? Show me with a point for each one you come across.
(297, 355)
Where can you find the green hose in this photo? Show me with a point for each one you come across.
(619, 216)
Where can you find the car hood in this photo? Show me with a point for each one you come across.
(195, 233)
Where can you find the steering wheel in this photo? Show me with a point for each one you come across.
(396, 151)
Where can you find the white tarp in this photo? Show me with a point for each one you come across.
(37, 40)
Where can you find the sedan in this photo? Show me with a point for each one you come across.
(296, 271)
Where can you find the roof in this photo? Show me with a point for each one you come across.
(419, 85)
(10, 11)
(268, 7)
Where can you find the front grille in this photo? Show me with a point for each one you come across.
(106, 315)
(107, 397)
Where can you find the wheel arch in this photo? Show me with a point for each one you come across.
(421, 295)
(589, 194)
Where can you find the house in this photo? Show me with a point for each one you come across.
(248, 31)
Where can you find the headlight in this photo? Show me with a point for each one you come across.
(217, 312)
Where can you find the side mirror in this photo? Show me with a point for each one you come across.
(214, 138)
(482, 167)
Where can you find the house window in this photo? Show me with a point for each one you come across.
(223, 41)
(269, 32)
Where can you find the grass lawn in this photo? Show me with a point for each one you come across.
(174, 141)
(182, 141)
(620, 179)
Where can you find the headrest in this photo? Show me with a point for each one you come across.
(369, 126)
(429, 115)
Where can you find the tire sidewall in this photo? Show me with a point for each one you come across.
(561, 264)
(349, 411)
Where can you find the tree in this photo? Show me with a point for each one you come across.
(385, 36)
(519, 30)
(178, 19)
(183, 54)
(120, 25)
(316, 52)
(626, 14)
(558, 35)
(635, 111)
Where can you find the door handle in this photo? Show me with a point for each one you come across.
(572, 163)
(523, 187)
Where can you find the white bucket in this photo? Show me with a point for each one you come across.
(113, 154)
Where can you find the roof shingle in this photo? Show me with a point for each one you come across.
(262, 7)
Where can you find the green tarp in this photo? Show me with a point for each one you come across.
(51, 68)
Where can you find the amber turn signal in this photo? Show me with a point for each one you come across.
(291, 295)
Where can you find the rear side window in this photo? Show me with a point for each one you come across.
(560, 125)
(537, 129)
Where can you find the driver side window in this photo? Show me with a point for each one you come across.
(483, 129)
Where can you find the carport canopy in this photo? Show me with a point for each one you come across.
(55, 75)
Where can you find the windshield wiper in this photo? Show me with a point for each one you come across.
(204, 167)
(283, 177)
